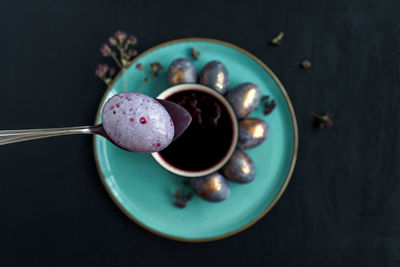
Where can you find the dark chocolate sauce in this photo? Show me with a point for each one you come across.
(207, 139)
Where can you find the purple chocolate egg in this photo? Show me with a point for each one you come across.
(240, 168)
(252, 132)
(137, 122)
(244, 98)
(213, 187)
(215, 75)
(180, 71)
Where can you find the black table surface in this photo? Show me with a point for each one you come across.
(342, 206)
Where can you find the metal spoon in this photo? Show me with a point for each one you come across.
(180, 117)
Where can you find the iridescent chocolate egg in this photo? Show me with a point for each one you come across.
(180, 71)
(215, 76)
(244, 98)
(252, 132)
(213, 187)
(240, 168)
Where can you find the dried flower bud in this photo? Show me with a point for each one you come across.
(181, 198)
(323, 121)
(305, 64)
(195, 54)
(156, 66)
(132, 40)
(121, 36)
(112, 71)
(131, 53)
(180, 204)
(101, 70)
(105, 73)
(278, 39)
(268, 105)
(177, 194)
(112, 41)
(106, 51)
(139, 66)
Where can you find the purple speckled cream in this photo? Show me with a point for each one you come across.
(137, 122)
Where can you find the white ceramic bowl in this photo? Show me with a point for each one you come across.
(187, 87)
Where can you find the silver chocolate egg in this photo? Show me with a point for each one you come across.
(252, 132)
(244, 98)
(240, 168)
(215, 76)
(213, 187)
(180, 71)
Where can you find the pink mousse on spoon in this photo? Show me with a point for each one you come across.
(132, 121)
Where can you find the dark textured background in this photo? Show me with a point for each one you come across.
(342, 206)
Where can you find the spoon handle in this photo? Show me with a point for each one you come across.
(15, 136)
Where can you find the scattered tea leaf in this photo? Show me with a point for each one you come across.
(195, 54)
(323, 121)
(278, 39)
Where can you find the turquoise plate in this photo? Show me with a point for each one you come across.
(143, 190)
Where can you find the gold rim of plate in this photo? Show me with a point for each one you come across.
(295, 148)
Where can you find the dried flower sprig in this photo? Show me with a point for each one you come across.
(119, 48)
(277, 40)
(155, 67)
(105, 73)
(181, 199)
(323, 121)
(194, 53)
(123, 45)
(267, 104)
